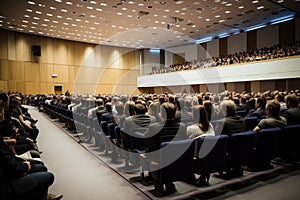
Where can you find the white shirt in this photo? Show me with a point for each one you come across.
(195, 131)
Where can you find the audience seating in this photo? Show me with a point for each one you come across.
(241, 151)
(211, 156)
(265, 148)
(164, 170)
(289, 148)
(251, 122)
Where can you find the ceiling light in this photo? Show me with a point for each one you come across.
(23, 21)
(49, 14)
(59, 1)
(52, 8)
(260, 7)
(26, 16)
(31, 2)
(90, 7)
(28, 10)
(37, 18)
(34, 23)
(227, 11)
(131, 2)
(69, 3)
(64, 10)
(65, 23)
(103, 4)
(93, 2)
(46, 20)
(255, 1)
(38, 12)
(241, 7)
(255, 27)
(92, 16)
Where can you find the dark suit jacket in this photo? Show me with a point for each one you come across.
(163, 132)
(292, 116)
(257, 113)
(230, 125)
(137, 121)
(108, 117)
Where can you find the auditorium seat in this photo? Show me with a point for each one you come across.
(211, 157)
(289, 148)
(265, 148)
(251, 122)
(241, 151)
(175, 162)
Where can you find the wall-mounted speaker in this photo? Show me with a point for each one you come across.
(36, 50)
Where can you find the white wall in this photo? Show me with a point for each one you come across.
(237, 43)
(151, 59)
(190, 51)
(268, 36)
(212, 49)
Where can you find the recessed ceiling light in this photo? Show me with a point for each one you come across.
(26, 16)
(44, 25)
(260, 7)
(90, 7)
(34, 23)
(28, 10)
(52, 8)
(129, 16)
(99, 9)
(241, 7)
(65, 23)
(131, 2)
(58, 16)
(23, 25)
(56, 22)
(124, 8)
(222, 20)
(64, 10)
(46, 20)
(31, 2)
(37, 18)
(227, 11)
(31, 31)
(207, 20)
(255, 1)
(92, 16)
(69, 18)
(103, 4)
(74, 25)
(69, 3)
(119, 13)
(49, 14)
(24, 21)
(93, 2)
(217, 16)
(140, 4)
(229, 4)
(38, 12)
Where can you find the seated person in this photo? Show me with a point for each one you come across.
(202, 126)
(231, 123)
(22, 179)
(273, 119)
(292, 114)
(166, 130)
(260, 108)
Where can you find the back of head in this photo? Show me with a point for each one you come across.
(273, 108)
(140, 108)
(129, 108)
(108, 106)
(167, 110)
(200, 116)
(120, 108)
(292, 100)
(228, 107)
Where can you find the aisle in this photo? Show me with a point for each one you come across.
(78, 175)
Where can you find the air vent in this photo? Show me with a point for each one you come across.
(249, 11)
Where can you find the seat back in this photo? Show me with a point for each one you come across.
(289, 147)
(241, 149)
(212, 154)
(175, 162)
(251, 122)
(266, 145)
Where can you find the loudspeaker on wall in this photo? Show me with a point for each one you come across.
(36, 50)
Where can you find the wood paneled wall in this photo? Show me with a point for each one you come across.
(80, 67)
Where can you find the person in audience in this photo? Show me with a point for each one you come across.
(139, 120)
(164, 131)
(184, 108)
(201, 127)
(273, 119)
(260, 108)
(23, 179)
(231, 123)
(153, 110)
(292, 114)
(128, 111)
(108, 115)
(242, 104)
(15, 111)
(280, 99)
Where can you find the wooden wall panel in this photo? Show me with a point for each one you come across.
(3, 44)
(12, 72)
(12, 86)
(79, 54)
(19, 47)
(4, 70)
(230, 87)
(62, 73)
(32, 71)
(71, 53)
(60, 52)
(255, 86)
(11, 39)
(3, 85)
(72, 71)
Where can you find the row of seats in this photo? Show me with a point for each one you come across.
(222, 153)
(227, 154)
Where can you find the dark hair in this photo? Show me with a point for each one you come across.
(108, 106)
(140, 108)
(167, 110)
(262, 101)
(208, 107)
(200, 117)
(273, 108)
(292, 99)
